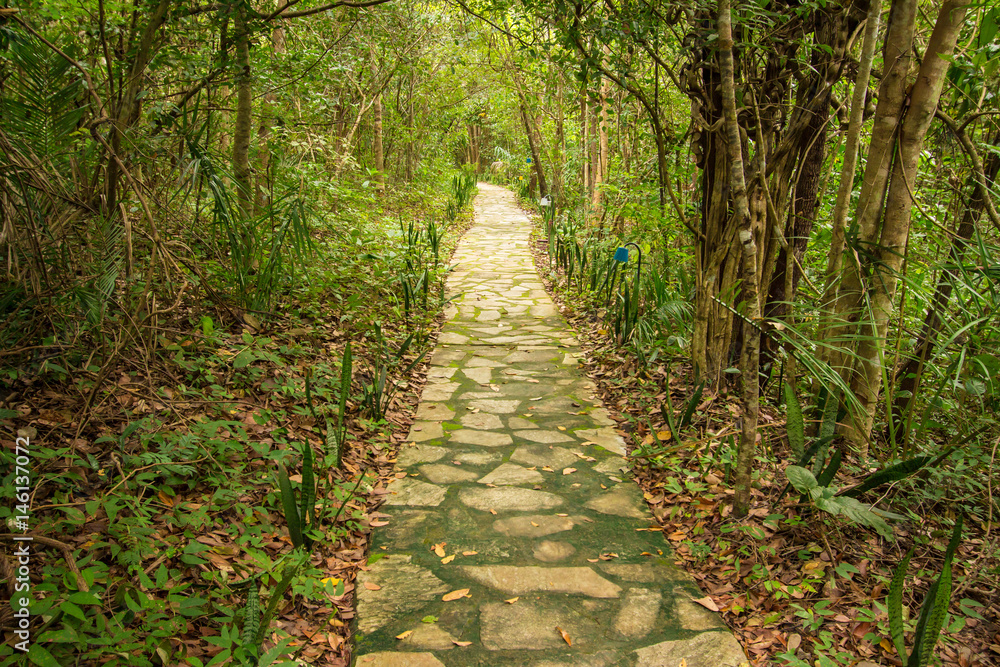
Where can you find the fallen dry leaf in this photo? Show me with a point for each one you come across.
(439, 549)
(447, 559)
(569, 471)
(455, 595)
(469, 553)
(458, 643)
(372, 587)
(404, 635)
(708, 603)
(564, 635)
(378, 524)
(512, 600)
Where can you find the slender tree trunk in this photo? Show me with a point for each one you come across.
(533, 147)
(835, 259)
(379, 150)
(749, 363)
(585, 142)
(600, 168)
(897, 56)
(560, 140)
(129, 107)
(898, 209)
(244, 119)
(265, 177)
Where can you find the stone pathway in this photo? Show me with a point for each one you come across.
(514, 490)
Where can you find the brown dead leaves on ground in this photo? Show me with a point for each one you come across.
(786, 581)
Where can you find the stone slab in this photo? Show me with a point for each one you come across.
(413, 493)
(509, 498)
(482, 438)
(709, 649)
(533, 525)
(511, 474)
(531, 579)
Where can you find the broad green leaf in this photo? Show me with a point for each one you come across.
(795, 423)
(801, 479)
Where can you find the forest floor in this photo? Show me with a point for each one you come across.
(798, 587)
(155, 501)
(154, 488)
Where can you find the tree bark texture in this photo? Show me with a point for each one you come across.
(750, 358)
(898, 210)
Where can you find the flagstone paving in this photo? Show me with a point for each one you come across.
(515, 473)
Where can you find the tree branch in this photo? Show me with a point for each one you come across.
(977, 165)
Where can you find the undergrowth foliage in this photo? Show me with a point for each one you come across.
(815, 577)
(214, 418)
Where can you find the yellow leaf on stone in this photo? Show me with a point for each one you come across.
(458, 643)
(561, 428)
(512, 600)
(562, 514)
(469, 553)
(447, 559)
(493, 512)
(455, 595)
(404, 635)
(534, 524)
(569, 471)
(439, 549)
(372, 586)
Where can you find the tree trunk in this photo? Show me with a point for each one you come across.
(898, 209)
(129, 108)
(379, 150)
(897, 55)
(536, 161)
(244, 119)
(853, 142)
(601, 149)
(264, 182)
(749, 363)
(585, 142)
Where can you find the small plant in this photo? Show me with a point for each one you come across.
(301, 517)
(338, 430)
(256, 622)
(377, 394)
(932, 611)
(815, 484)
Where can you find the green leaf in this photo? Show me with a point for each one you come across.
(801, 479)
(288, 503)
(72, 610)
(895, 606)
(795, 423)
(308, 499)
(429, 619)
(41, 656)
(251, 622)
(893, 474)
(845, 570)
(830, 471)
(244, 359)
